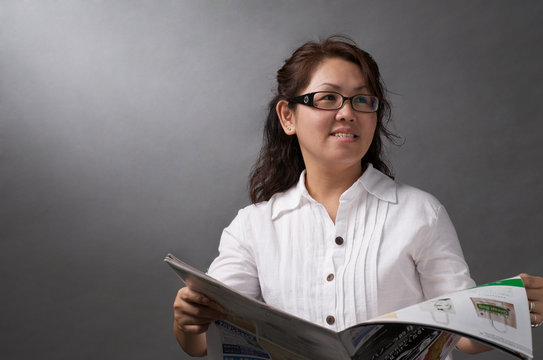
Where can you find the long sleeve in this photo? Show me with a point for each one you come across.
(235, 266)
(439, 261)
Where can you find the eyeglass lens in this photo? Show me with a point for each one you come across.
(332, 100)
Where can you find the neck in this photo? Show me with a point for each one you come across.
(326, 185)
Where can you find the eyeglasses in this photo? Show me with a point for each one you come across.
(331, 100)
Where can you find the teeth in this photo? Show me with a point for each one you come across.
(343, 135)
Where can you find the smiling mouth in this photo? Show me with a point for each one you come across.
(343, 135)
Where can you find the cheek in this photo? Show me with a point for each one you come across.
(313, 124)
(369, 126)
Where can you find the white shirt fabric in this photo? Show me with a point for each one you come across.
(399, 248)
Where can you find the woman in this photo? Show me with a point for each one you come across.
(330, 236)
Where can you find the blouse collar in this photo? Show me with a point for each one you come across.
(372, 180)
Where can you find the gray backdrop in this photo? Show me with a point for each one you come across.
(128, 129)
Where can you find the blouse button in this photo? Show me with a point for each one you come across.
(330, 277)
(330, 320)
(339, 240)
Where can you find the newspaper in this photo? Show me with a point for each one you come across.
(494, 314)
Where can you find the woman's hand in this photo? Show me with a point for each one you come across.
(193, 313)
(534, 290)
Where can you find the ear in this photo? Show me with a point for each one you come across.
(286, 117)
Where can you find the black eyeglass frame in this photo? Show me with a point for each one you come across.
(307, 99)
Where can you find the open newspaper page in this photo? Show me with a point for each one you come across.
(398, 341)
(495, 314)
(254, 330)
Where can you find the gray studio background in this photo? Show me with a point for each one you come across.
(128, 128)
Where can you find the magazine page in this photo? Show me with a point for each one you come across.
(495, 314)
(397, 341)
(272, 328)
(227, 341)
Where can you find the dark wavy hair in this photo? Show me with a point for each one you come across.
(280, 162)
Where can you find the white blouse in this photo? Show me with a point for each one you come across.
(392, 246)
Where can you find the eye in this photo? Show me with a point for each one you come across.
(326, 97)
(361, 99)
(365, 103)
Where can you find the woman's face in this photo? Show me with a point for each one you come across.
(334, 138)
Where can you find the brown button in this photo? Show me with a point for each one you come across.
(330, 277)
(339, 240)
(330, 320)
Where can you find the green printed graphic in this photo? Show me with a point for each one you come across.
(493, 309)
(509, 282)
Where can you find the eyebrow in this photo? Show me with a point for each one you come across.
(336, 87)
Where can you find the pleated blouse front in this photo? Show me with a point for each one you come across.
(391, 246)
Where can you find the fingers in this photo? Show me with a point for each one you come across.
(186, 294)
(535, 296)
(194, 312)
(195, 297)
(534, 291)
(531, 281)
(535, 307)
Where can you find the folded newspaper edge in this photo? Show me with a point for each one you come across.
(495, 314)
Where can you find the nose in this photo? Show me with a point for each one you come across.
(346, 111)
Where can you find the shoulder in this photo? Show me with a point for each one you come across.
(400, 196)
(416, 198)
(266, 211)
(416, 207)
(255, 224)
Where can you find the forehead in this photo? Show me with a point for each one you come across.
(336, 74)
